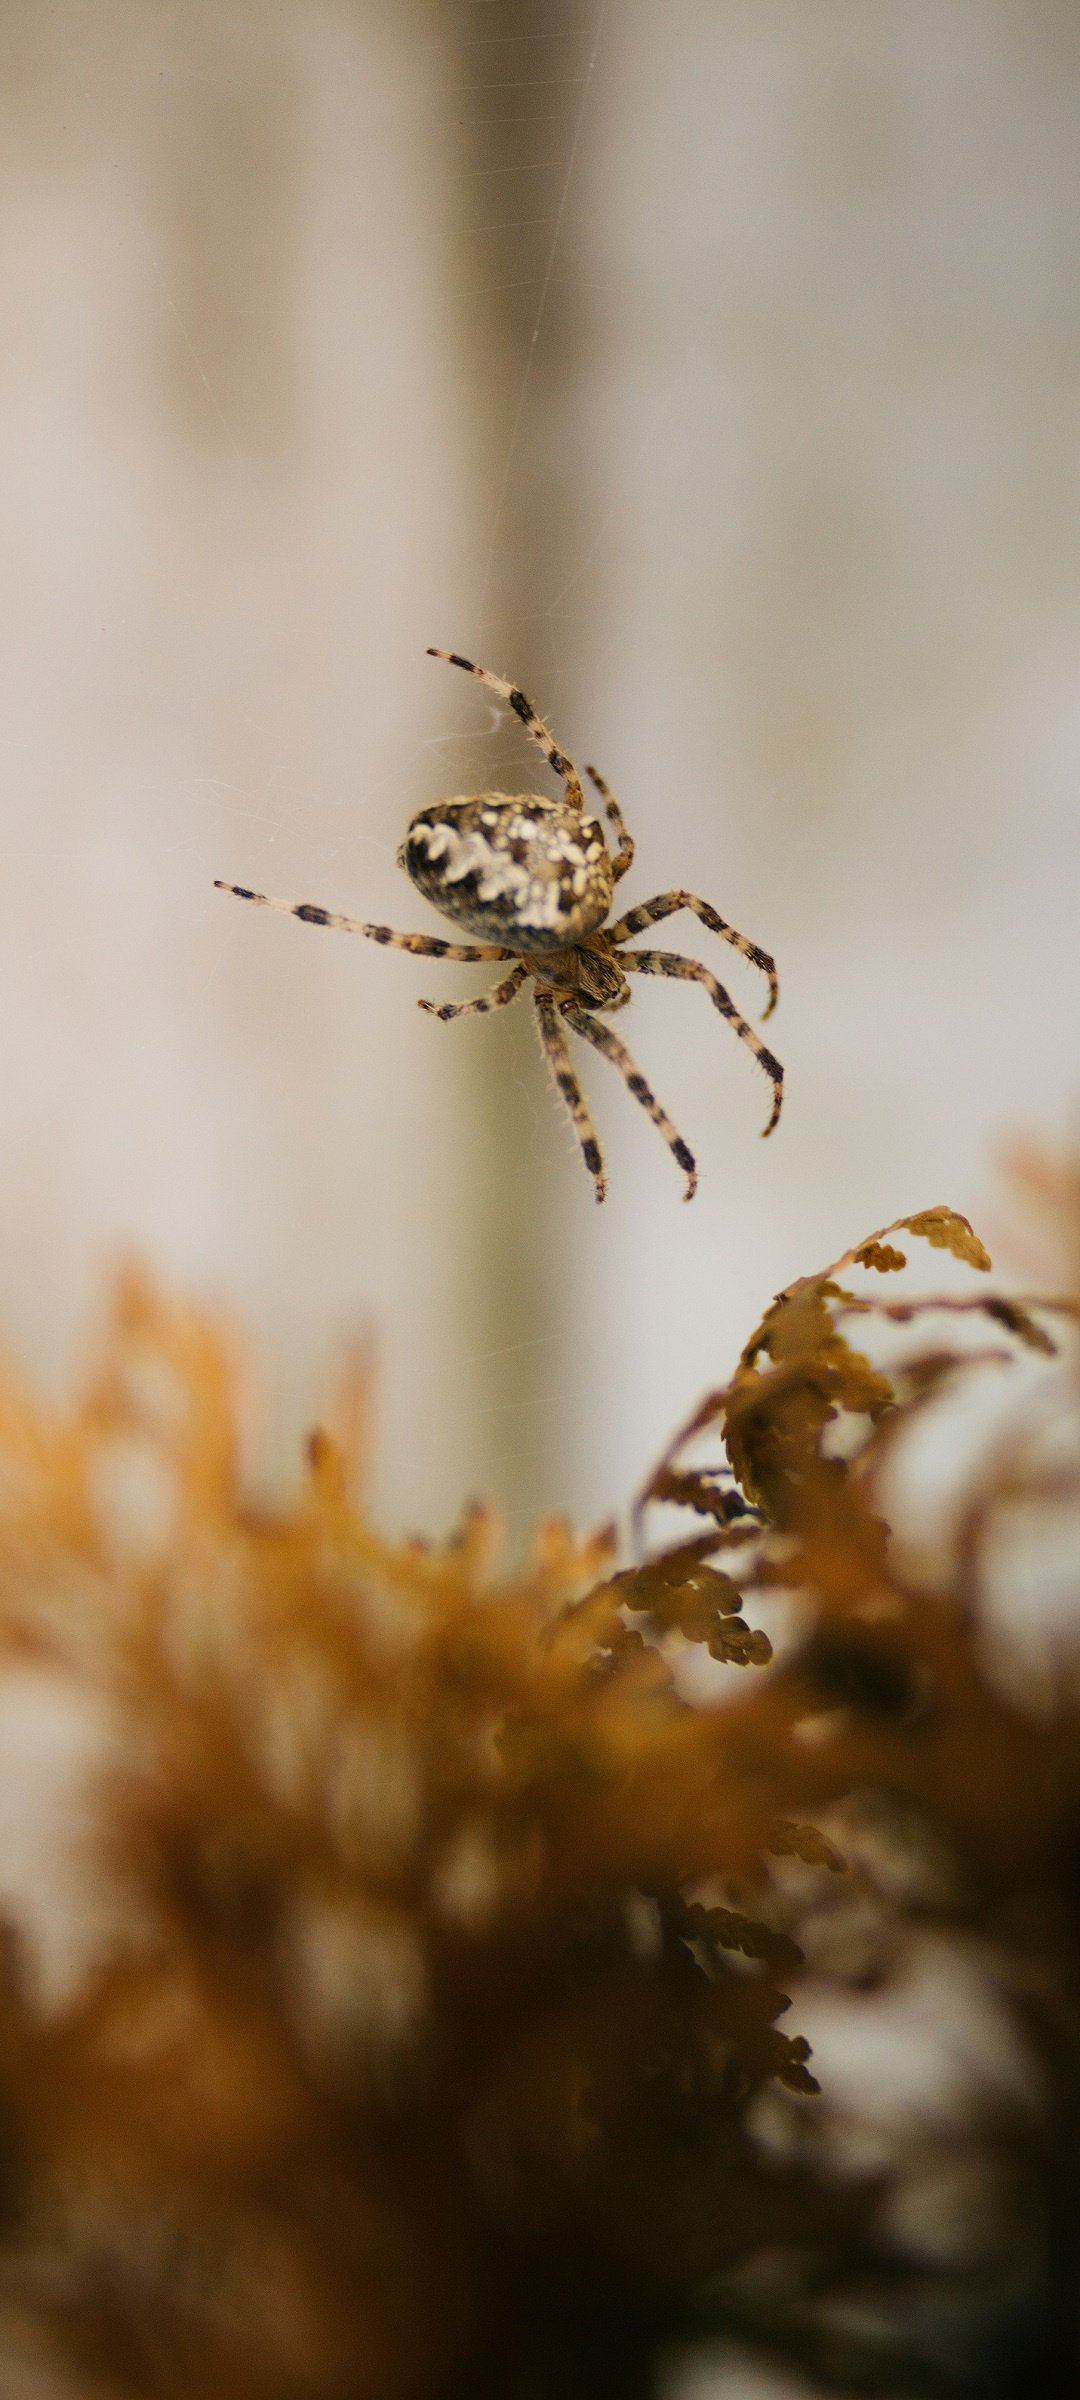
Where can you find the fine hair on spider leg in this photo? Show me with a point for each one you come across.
(554, 1045)
(690, 970)
(529, 716)
(499, 996)
(422, 945)
(667, 904)
(624, 856)
(592, 1029)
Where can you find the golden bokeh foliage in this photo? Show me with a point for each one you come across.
(444, 1917)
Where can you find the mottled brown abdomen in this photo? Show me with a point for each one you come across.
(524, 870)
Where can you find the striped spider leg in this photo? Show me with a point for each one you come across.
(499, 996)
(666, 904)
(554, 1046)
(624, 856)
(533, 723)
(668, 962)
(422, 945)
(593, 1029)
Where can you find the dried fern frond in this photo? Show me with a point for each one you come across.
(394, 2000)
(394, 2058)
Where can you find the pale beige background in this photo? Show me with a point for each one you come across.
(715, 370)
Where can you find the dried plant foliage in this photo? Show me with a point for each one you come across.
(441, 1943)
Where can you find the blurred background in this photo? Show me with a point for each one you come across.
(711, 368)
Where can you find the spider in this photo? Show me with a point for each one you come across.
(537, 874)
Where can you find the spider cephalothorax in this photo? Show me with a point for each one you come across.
(538, 875)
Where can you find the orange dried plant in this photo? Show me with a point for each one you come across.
(427, 1989)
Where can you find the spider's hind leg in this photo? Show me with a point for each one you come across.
(533, 723)
(593, 1029)
(624, 856)
(554, 1046)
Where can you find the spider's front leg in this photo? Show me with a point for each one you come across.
(592, 1029)
(666, 904)
(554, 1046)
(499, 997)
(422, 945)
(689, 970)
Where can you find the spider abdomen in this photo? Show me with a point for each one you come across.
(531, 872)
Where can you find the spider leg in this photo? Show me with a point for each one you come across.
(650, 912)
(600, 1035)
(624, 856)
(553, 1044)
(533, 724)
(423, 945)
(499, 997)
(668, 962)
